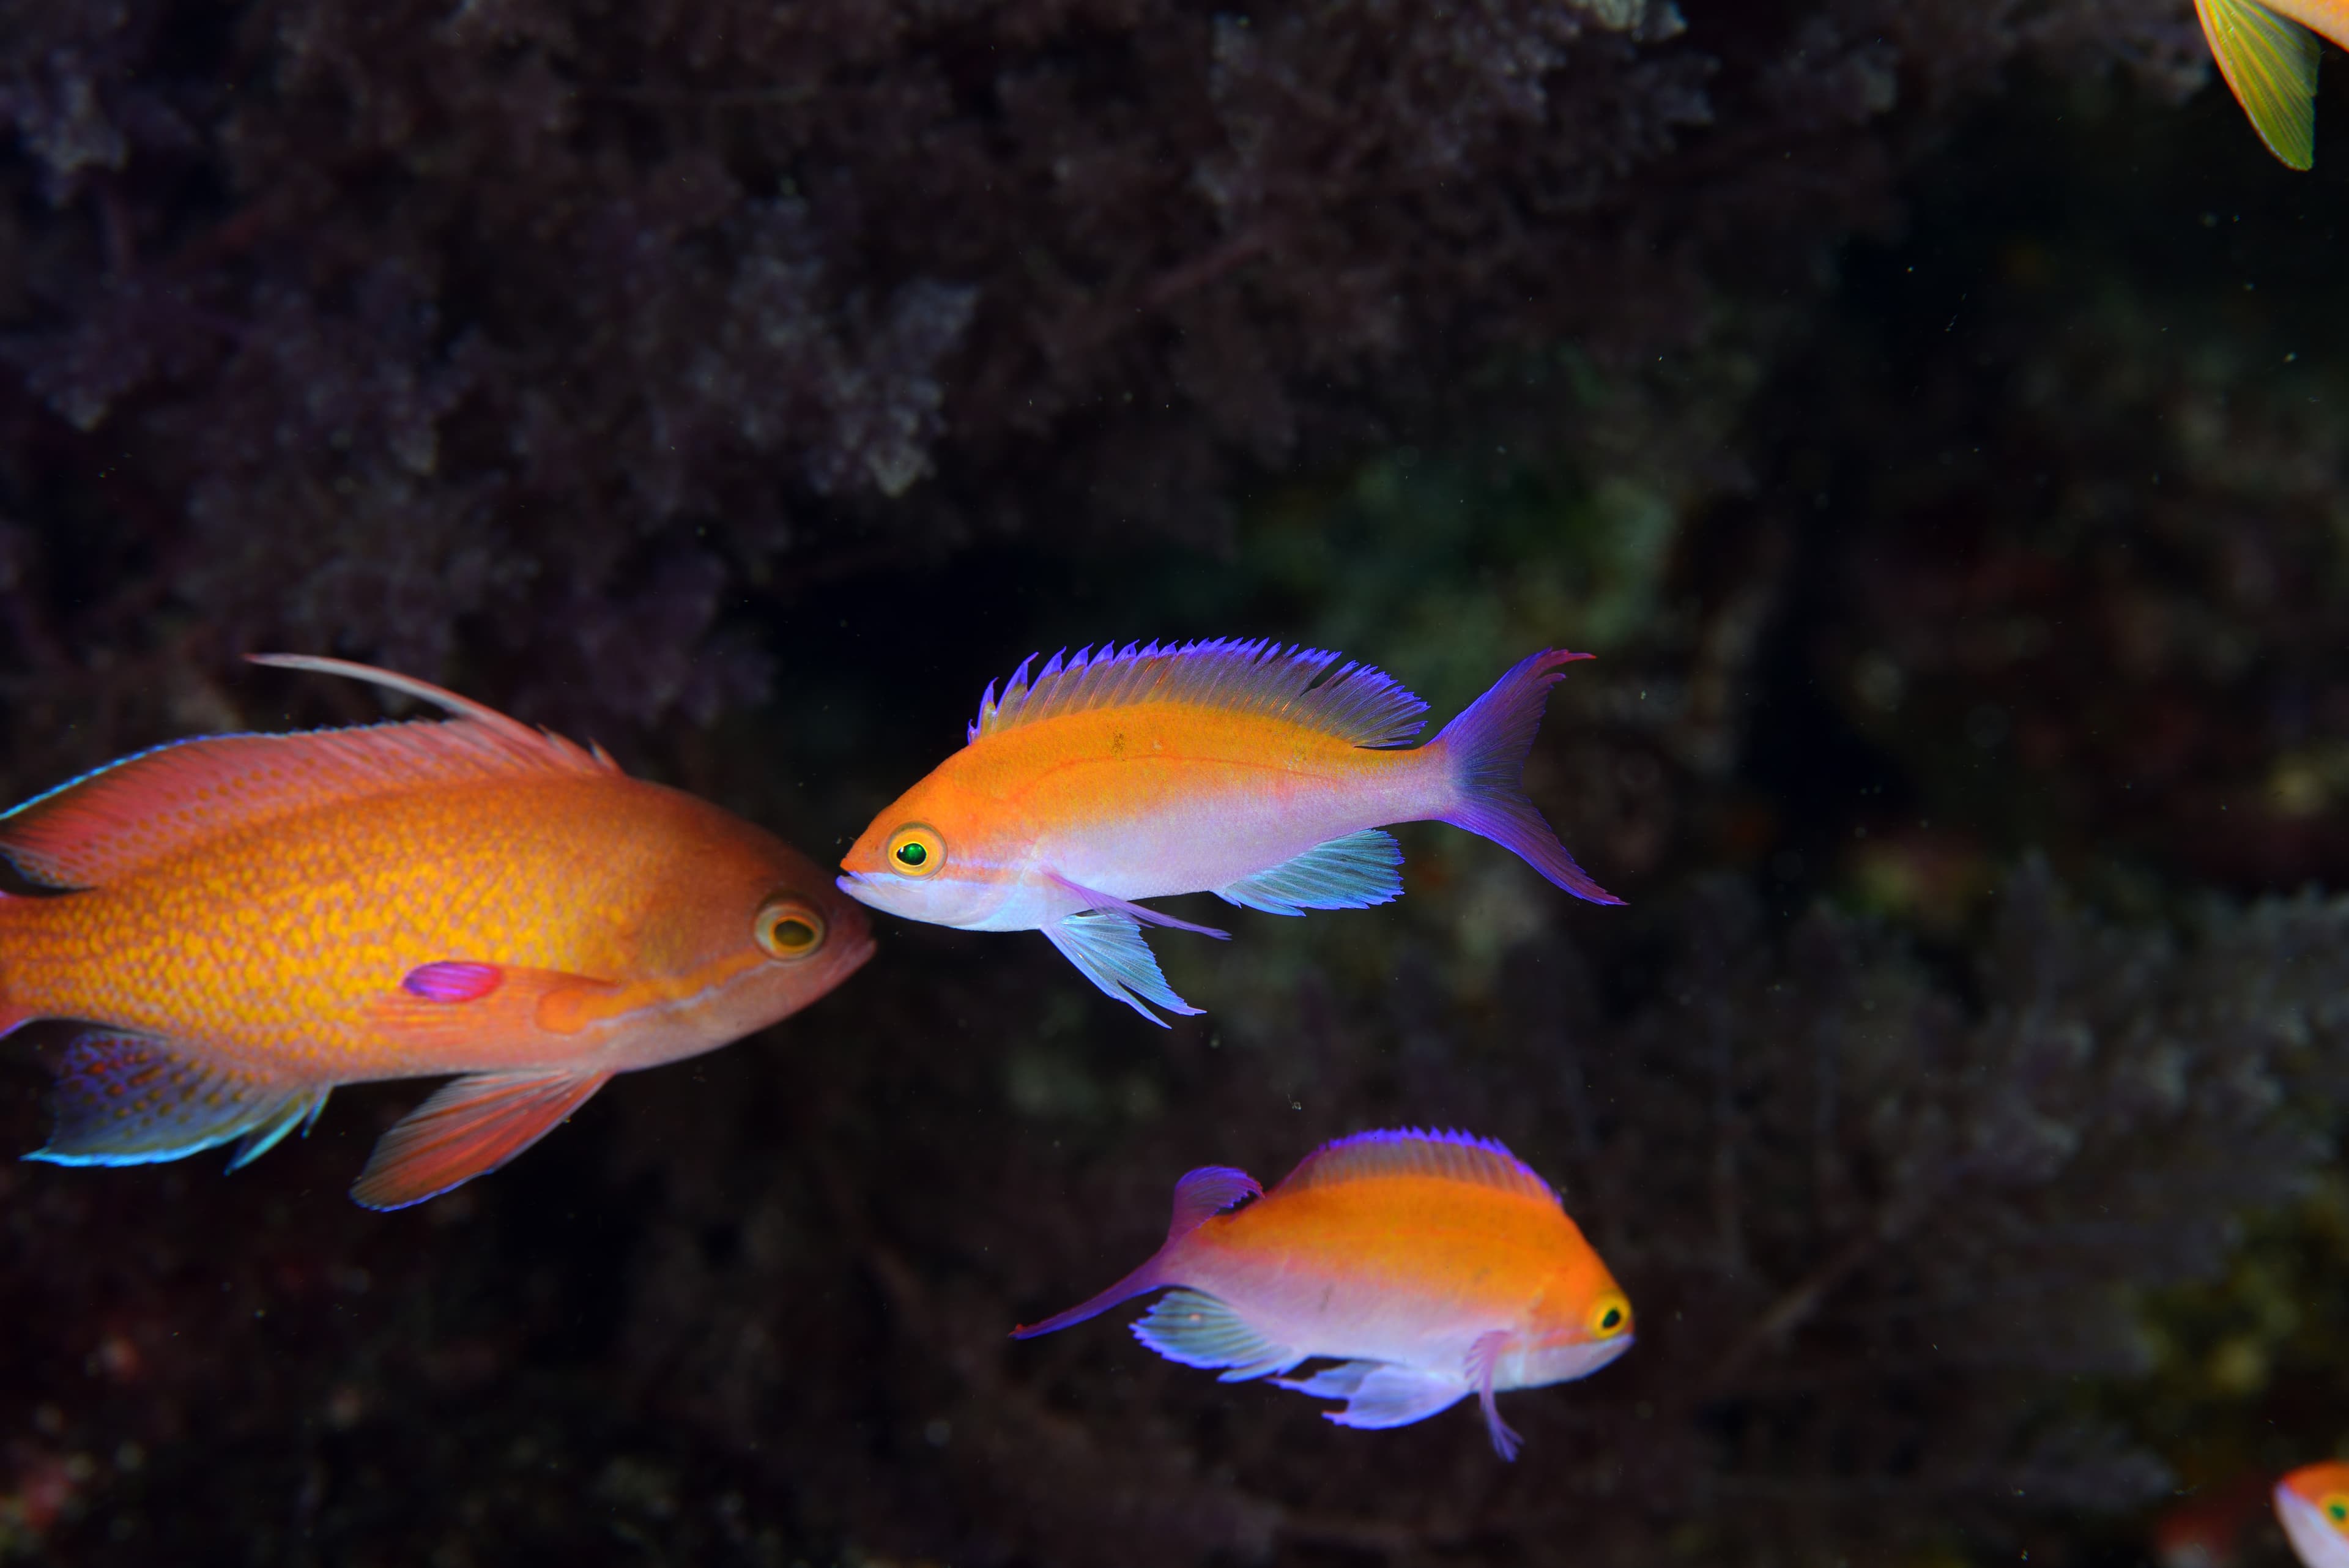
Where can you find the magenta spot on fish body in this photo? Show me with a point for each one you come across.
(452, 981)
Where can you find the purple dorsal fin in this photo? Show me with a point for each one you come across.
(1304, 686)
(1414, 1151)
(1207, 1192)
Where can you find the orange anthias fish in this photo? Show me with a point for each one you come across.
(1430, 1265)
(246, 921)
(2267, 53)
(1237, 768)
(2311, 1503)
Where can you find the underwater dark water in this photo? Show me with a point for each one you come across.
(1932, 416)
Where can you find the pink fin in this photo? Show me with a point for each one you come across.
(452, 981)
(1409, 1151)
(1096, 902)
(468, 1128)
(1487, 744)
(1484, 1357)
(1356, 703)
(130, 813)
(1207, 1192)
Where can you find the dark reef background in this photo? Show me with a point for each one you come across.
(1934, 412)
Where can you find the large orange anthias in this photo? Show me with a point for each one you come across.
(243, 922)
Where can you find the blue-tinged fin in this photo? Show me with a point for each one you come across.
(1486, 746)
(2270, 62)
(300, 1113)
(1107, 948)
(1382, 1393)
(131, 1100)
(1208, 1192)
(1306, 686)
(468, 1128)
(108, 823)
(1199, 1330)
(1350, 873)
(1098, 902)
(1415, 1152)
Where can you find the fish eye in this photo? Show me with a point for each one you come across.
(2336, 1507)
(1610, 1315)
(915, 850)
(788, 928)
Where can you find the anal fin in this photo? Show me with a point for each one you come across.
(1199, 1330)
(1108, 950)
(132, 1099)
(468, 1128)
(1355, 872)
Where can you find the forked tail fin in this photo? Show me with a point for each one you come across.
(1485, 748)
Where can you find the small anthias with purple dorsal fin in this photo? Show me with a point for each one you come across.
(1432, 1266)
(1258, 773)
(243, 922)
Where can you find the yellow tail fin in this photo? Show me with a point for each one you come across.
(2270, 61)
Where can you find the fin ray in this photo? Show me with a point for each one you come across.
(2269, 63)
(1355, 872)
(1357, 703)
(122, 1098)
(1206, 1193)
(1108, 950)
(1199, 1330)
(134, 812)
(1414, 1151)
(468, 1128)
(1487, 743)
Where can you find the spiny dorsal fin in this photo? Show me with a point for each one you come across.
(131, 812)
(1355, 703)
(1414, 1151)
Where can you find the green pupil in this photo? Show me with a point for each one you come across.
(911, 853)
(2339, 1510)
(793, 933)
(1611, 1318)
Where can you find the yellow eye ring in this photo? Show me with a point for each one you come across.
(1610, 1315)
(788, 928)
(915, 850)
(2336, 1505)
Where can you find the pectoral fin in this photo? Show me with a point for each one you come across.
(131, 1100)
(2270, 61)
(469, 1128)
(1108, 950)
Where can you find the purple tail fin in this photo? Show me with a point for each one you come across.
(1486, 746)
(1199, 1197)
